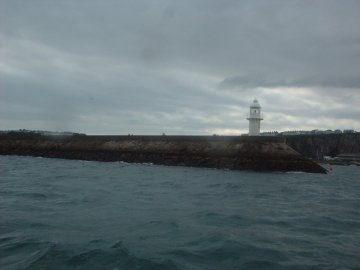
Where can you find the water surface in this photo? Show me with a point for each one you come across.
(63, 214)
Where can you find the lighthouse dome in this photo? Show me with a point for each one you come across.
(255, 104)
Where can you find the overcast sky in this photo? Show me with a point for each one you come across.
(178, 67)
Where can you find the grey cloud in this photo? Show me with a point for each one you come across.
(253, 81)
(152, 66)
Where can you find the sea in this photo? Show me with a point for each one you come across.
(72, 214)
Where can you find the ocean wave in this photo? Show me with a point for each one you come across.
(60, 214)
(229, 255)
(19, 253)
(33, 195)
(32, 255)
(115, 257)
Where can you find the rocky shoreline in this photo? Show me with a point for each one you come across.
(225, 152)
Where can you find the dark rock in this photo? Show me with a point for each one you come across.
(235, 153)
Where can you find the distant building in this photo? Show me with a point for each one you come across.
(254, 118)
(270, 133)
(316, 132)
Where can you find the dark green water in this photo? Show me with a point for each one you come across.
(61, 214)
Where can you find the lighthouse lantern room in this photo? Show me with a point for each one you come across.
(254, 118)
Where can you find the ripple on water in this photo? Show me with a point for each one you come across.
(62, 214)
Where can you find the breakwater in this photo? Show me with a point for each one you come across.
(226, 152)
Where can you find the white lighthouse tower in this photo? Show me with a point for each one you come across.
(254, 118)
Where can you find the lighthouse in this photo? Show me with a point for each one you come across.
(254, 118)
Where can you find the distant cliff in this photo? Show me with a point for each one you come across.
(236, 153)
(318, 146)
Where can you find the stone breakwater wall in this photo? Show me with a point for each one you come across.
(226, 152)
